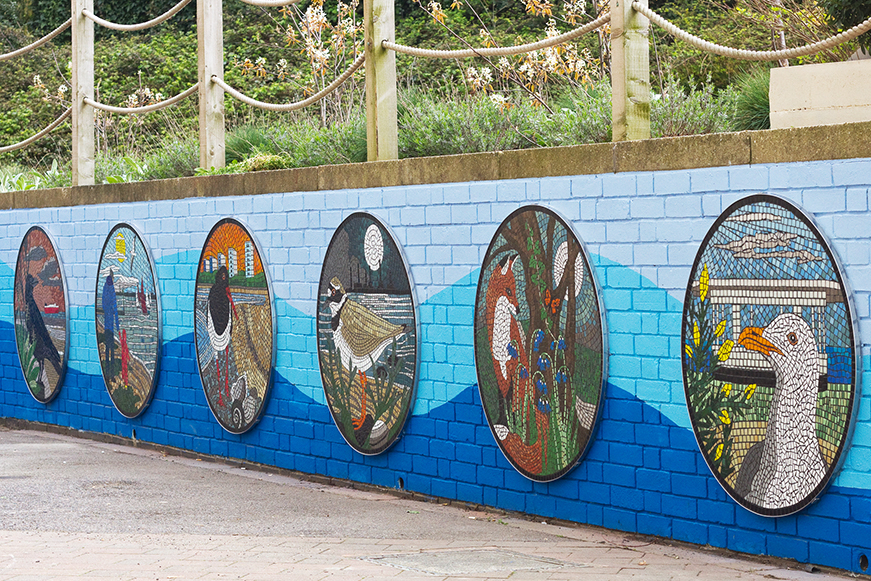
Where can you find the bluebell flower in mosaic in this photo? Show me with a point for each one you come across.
(541, 386)
(561, 345)
(536, 343)
(512, 351)
(543, 363)
(524, 373)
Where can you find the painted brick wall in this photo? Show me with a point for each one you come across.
(643, 473)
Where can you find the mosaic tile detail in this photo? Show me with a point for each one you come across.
(367, 334)
(41, 315)
(769, 358)
(234, 325)
(539, 343)
(127, 320)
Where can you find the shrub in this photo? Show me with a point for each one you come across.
(752, 107)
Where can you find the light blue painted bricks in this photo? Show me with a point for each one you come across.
(643, 473)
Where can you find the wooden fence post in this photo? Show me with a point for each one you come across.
(210, 58)
(630, 72)
(83, 86)
(381, 127)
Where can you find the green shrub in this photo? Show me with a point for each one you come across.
(679, 111)
(752, 106)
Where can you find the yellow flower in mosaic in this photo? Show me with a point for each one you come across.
(703, 283)
(719, 451)
(749, 391)
(721, 328)
(727, 389)
(689, 350)
(725, 350)
(724, 417)
(696, 334)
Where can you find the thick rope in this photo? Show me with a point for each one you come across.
(141, 26)
(502, 50)
(39, 135)
(38, 43)
(146, 109)
(270, 3)
(752, 55)
(299, 104)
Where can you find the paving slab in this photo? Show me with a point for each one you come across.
(74, 509)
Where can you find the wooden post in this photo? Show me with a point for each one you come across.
(83, 86)
(210, 58)
(381, 127)
(630, 72)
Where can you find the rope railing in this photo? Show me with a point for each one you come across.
(501, 50)
(141, 26)
(270, 3)
(752, 55)
(40, 135)
(299, 104)
(38, 43)
(147, 108)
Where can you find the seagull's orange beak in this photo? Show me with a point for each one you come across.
(751, 338)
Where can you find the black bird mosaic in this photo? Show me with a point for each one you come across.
(219, 323)
(44, 348)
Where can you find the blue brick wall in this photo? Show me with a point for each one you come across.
(643, 473)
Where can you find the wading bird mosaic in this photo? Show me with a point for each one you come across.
(367, 334)
(234, 326)
(127, 320)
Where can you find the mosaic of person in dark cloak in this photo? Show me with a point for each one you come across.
(234, 327)
(768, 356)
(127, 320)
(41, 322)
(539, 343)
(367, 334)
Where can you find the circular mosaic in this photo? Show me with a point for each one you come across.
(769, 358)
(539, 343)
(41, 316)
(127, 320)
(367, 334)
(234, 326)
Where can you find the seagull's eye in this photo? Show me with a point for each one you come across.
(792, 338)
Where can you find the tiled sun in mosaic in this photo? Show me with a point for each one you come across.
(367, 334)
(539, 343)
(768, 356)
(127, 318)
(234, 326)
(41, 318)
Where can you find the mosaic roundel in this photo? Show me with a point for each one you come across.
(127, 320)
(539, 343)
(367, 334)
(234, 326)
(41, 315)
(769, 357)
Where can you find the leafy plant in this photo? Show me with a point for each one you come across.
(846, 14)
(714, 406)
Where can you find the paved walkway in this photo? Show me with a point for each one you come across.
(73, 509)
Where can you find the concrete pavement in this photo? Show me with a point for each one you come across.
(74, 508)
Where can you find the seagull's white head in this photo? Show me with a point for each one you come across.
(787, 342)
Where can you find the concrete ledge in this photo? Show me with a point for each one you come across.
(847, 141)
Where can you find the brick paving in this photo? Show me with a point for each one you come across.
(75, 509)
